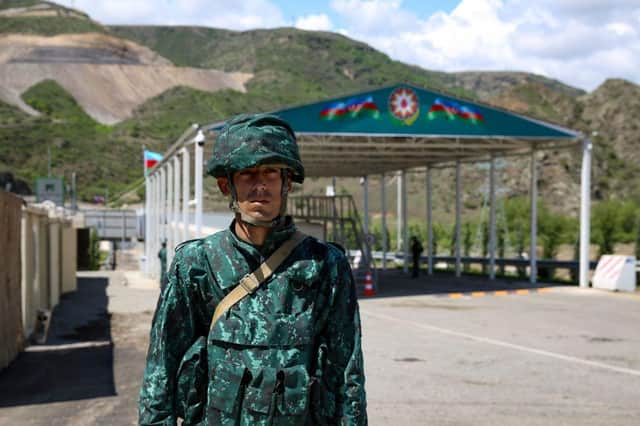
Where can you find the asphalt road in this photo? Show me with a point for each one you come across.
(562, 357)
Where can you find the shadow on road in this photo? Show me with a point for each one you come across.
(76, 362)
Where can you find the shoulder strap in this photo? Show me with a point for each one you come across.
(250, 282)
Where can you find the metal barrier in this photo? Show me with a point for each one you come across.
(11, 336)
(113, 224)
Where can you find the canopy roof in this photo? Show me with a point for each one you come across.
(403, 126)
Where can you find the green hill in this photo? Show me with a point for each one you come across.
(78, 144)
(291, 67)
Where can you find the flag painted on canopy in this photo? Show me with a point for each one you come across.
(352, 108)
(453, 110)
(150, 160)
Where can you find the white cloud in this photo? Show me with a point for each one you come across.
(319, 22)
(580, 42)
(231, 14)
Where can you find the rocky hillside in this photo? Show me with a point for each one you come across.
(154, 81)
(108, 76)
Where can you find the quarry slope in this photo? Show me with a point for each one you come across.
(108, 76)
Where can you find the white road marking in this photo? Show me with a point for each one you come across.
(504, 344)
(66, 346)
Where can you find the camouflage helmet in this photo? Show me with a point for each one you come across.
(252, 140)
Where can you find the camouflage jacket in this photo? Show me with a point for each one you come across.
(289, 354)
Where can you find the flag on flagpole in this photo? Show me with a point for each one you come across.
(150, 160)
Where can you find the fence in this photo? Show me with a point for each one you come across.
(38, 264)
(11, 334)
(113, 224)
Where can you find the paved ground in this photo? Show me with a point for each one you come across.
(566, 356)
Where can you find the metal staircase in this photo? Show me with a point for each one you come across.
(340, 221)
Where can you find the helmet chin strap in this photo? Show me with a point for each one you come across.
(275, 223)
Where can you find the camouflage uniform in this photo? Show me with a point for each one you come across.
(289, 354)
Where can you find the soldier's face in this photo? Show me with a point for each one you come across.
(258, 190)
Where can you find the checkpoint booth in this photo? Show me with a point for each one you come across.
(385, 132)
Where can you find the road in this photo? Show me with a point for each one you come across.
(565, 356)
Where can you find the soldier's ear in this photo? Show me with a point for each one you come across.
(289, 182)
(223, 185)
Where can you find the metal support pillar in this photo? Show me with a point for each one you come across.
(492, 219)
(152, 236)
(405, 224)
(458, 218)
(533, 275)
(430, 253)
(169, 236)
(176, 202)
(147, 223)
(383, 197)
(365, 213)
(334, 222)
(198, 182)
(585, 216)
(186, 193)
(399, 178)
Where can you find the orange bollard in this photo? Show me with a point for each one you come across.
(368, 285)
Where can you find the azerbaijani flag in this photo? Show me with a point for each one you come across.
(352, 108)
(453, 110)
(150, 160)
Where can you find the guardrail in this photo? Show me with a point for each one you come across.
(541, 263)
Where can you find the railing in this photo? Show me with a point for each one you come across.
(572, 265)
(340, 211)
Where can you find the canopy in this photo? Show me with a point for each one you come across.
(404, 126)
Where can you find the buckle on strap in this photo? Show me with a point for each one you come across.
(250, 283)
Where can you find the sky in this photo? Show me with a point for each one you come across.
(579, 42)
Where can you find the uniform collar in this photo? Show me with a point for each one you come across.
(276, 237)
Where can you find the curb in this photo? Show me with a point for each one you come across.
(498, 293)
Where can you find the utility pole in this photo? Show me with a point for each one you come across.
(49, 161)
(74, 199)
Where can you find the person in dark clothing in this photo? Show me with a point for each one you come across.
(416, 251)
(162, 255)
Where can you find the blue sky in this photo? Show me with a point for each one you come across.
(579, 42)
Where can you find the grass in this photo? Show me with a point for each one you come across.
(101, 159)
(48, 25)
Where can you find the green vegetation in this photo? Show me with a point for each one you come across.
(48, 25)
(10, 4)
(613, 222)
(102, 159)
(315, 65)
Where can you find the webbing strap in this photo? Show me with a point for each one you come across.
(250, 282)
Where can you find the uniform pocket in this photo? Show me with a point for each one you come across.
(323, 403)
(191, 388)
(259, 394)
(295, 391)
(226, 382)
(279, 393)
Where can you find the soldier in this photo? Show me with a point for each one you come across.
(162, 255)
(416, 251)
(287, 354)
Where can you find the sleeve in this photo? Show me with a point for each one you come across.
(346, 368)
(173, 331)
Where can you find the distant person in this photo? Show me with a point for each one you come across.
(233, 344)
(416, 251)
(114, 249)
(162, 255)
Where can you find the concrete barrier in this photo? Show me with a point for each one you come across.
(34, 265)
(11, 333)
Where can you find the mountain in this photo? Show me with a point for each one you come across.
(95, 94)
